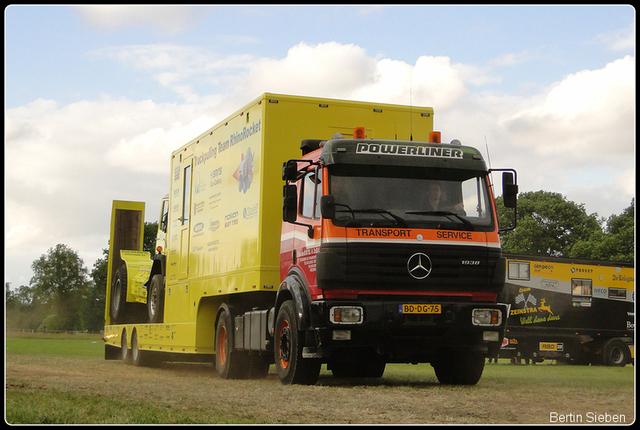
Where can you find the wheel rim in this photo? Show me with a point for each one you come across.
(616, 355)
(153, 300)
(222, 346)
(284, 344)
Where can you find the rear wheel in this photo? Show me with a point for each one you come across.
(228, 362)
(615, 353)
(291, 367)
(155, 299)
(138, 356)
(124, 350)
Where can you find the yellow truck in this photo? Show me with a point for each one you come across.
(303, 231)
(570, 310)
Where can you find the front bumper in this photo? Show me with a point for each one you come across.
(401, 337)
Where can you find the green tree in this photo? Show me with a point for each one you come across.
(621, 231)
(95, 301)
(60, 282)
(547, 224)
(22, 309)
(615, 243)
(149, 238)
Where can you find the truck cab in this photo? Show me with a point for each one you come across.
(396, 251)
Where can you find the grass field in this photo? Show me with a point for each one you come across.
(64, 379)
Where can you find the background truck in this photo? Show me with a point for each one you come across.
(382, 246)
(575, 311)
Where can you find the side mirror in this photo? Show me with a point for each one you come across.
(290, 203)
(164, 222)
(509, 190)
(328, 207)
(290, 170)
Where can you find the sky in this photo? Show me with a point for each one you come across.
(97, 97)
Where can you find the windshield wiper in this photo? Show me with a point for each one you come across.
(401, 221)
(442, 213)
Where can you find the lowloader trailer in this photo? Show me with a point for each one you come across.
(303, 231)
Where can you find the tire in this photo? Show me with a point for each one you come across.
(138, 356)
(119, 295)
(615, 353)
(291, 367)
(459, 367)
(124, 350)
(155, 299)
(229, 363)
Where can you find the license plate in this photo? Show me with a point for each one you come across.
(420, 309)
(551, 346)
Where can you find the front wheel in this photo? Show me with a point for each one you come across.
(459, 367)
(291, 367)
(119, 294)
(155, 299)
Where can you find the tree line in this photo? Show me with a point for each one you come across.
(64, 295)
(549, 225)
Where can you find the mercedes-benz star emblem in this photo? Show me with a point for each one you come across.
(419, 265)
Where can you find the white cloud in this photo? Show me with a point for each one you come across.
(432, 81)
(148, 151)
(177, 67)
(623, 39)
(172, 19)
(330, 68)
(582, 113)
(576, 138)
(511, 59)
(69, 162)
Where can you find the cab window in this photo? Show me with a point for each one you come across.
(310, 195)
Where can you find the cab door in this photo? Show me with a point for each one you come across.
(186, 166)
(179, 218)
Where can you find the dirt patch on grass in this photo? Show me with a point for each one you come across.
(196, 390)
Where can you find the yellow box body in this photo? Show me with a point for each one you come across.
(225, 219)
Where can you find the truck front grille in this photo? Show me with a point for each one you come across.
(385, 266)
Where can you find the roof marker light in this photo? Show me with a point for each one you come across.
(434, 136)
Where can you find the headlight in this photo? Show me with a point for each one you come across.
(346, 315)
(486, 317)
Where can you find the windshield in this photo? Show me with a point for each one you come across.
(453, 199)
